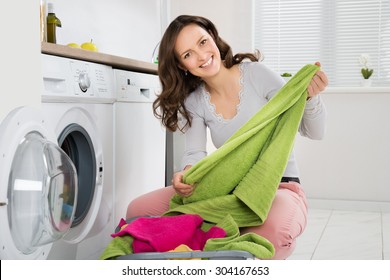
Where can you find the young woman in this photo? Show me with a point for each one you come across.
(206, 86)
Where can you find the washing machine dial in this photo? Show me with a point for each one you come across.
(84, 81)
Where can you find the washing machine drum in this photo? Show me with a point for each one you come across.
(42, 193)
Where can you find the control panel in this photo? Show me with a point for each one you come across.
(136, 87)
(66, 79)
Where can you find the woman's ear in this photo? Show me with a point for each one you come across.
(182, 68)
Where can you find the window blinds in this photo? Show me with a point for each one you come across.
(292, 33)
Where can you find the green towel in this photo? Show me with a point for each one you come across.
(118, 246)
(252, 243)
(238, 181)
(236, 184)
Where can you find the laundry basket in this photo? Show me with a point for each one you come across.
(207, 255)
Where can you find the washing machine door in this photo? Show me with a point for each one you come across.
(38, 187)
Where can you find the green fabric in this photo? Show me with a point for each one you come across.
(118, 246)
(241, 177)
(236, 184)
(252, 243)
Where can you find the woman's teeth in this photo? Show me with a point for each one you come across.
(207, 63)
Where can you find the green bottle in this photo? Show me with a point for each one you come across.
(52, 22)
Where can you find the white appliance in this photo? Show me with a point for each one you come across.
(57, 178)
(79, 98)
(140, 139)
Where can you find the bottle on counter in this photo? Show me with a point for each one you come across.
(52, 22)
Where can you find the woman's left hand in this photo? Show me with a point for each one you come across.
(318, 83)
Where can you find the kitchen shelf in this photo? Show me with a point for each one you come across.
(116, 62)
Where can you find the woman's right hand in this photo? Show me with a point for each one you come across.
(178, 185)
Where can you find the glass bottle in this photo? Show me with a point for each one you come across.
(52, 22)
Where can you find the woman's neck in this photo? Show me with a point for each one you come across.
(224, 82)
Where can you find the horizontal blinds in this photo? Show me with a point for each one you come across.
(291, 33)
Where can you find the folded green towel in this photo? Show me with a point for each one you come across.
(241, 177)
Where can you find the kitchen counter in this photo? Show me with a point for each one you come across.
(116, 62)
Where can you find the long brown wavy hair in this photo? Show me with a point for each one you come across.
(176, 84)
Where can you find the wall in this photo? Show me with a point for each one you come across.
(127, 28)
(132, 28)
(232, 18)
(352, 162)
(21, 82)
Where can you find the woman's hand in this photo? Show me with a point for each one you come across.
(178, 185)
(318, 83)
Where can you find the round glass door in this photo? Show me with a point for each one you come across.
(75, 141)
(42, 193)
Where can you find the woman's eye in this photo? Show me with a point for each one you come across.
(187, 55)
(203, 42)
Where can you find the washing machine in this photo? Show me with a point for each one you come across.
(140, 139)
(57, 178)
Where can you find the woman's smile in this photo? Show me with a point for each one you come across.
(207, 63)
(197, 51)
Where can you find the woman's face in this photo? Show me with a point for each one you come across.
(197, 52)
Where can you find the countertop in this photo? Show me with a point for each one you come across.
(116, 62)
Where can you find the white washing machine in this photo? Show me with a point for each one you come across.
(57, 181)
(140, 139)
(82, 116)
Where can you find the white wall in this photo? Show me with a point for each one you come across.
(21, 80)
(352, 162)
(232, 18)
(127, 28)
(132, 28)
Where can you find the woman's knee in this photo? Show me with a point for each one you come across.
(279, 235)
(285, 222)
(154, 203)
(135, 208)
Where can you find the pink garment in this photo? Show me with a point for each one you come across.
(161, 234)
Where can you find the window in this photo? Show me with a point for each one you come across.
(292, 33)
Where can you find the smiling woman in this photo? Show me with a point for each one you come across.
(213, 50)
(197, 58)
(205, 86)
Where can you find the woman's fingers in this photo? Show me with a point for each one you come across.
(318, 83)
(180, 187)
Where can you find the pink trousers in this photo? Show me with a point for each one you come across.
(286, 220)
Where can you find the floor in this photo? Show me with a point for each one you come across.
(341, 230)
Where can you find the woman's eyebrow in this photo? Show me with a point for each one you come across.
(200, 39)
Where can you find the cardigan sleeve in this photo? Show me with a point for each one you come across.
(196, 135)
(314, 119)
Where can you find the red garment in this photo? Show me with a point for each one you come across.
(161, 234)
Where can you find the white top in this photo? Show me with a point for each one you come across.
(258, 85)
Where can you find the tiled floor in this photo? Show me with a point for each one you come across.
(358, 232)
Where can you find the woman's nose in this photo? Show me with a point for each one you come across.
(202, 55)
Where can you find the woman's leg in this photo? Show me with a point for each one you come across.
(286, 219)
(154, 203)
